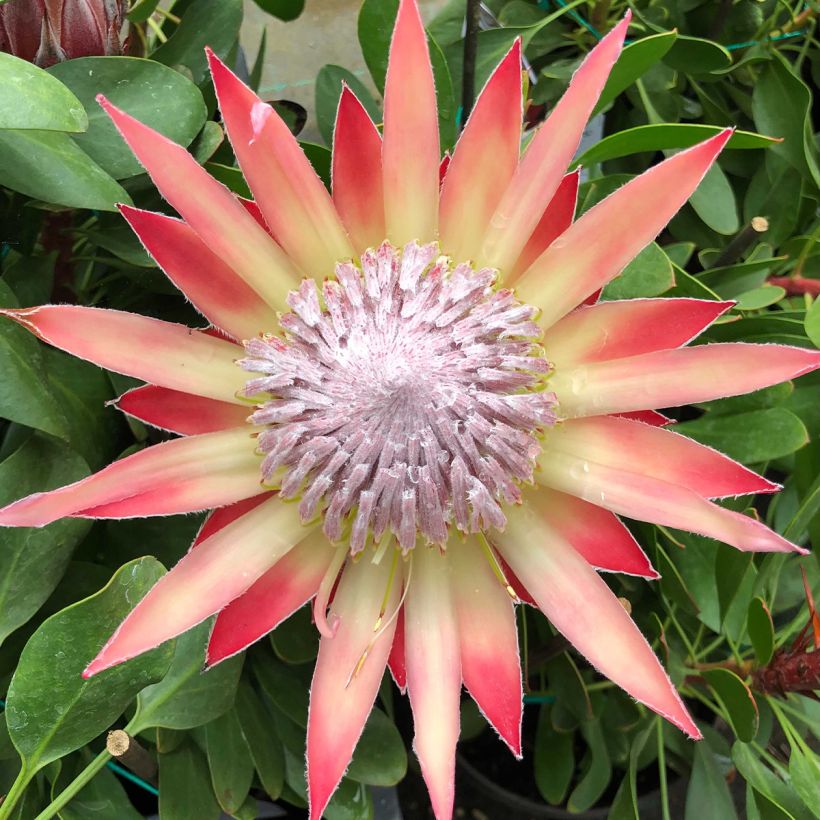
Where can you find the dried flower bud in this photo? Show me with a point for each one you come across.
(45, 32)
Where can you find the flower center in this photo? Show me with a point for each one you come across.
(406, 399)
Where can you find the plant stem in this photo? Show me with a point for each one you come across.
(741, 242)
(75, 787)
(15, 792)
(662, 771)
(470, 53)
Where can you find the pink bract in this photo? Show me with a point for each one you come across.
(415, 404)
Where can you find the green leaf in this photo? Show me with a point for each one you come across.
(34, 559)
(598, 771)
(445, 97)
(737, 699)
(774, 193)
(83, 391)
(635, 59)
(808, 509)
(297, 639)
(51, 710)
(380, 758)
(31, 99)
(751, 438)
(664, 137)
(184, 787)
(625, 804)
(648, 274)
(761, 630)
(230, 177)
(103, 797)
(229, 761)
(804, 771)
(264, 745)
(759, 298)
(187, 696)
(553, 759)
(283, 9)
(153, 93)
(781, 105)
(142, 10)
(328, 90)
(213, 23)
(765, 781)
(692, 55)
(255, 77)
(758, 400)
(49, 166)
(319, 157)
(812, 322)
(25, 393)
(673, 584)
(708, 795)
(284, 686)
(714, 202)
(375, 29)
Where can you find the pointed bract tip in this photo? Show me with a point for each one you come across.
(213, 60)
(103, 101)
(93, 668)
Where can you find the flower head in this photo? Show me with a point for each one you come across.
(50, 31)
(414, 405)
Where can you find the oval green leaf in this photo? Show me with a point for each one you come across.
(34, 559)
(714, 202)
(229, 761)
(51, 167)
(184, 787)
(264, 745)
(707, 794)
(648, 274)
(804, 772)
(665, 137)
(375, 28)
(31, 99)
(51, 710)
(751, 438)
(692, 55)
(812, 322)
(380, 758)
(737, 699)
(26, 396)
(283, 9)
(759, 298)
(328, 90)
(213, 23)
(761, 630)
(635, 59)
(153, 93)
(187, 697)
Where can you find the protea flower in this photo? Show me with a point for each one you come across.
(50, 31)
(385, 427)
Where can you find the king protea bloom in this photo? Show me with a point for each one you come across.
(50, 31)
(410, 406)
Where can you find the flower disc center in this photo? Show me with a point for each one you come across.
(406, 399)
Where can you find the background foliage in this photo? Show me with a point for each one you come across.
(724, 622)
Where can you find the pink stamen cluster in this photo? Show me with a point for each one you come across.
(407, 398)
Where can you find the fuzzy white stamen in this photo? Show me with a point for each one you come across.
(406, 399)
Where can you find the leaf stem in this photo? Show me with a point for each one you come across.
(15, 792)
(75, 787)
(470, 56)
(662, 771)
